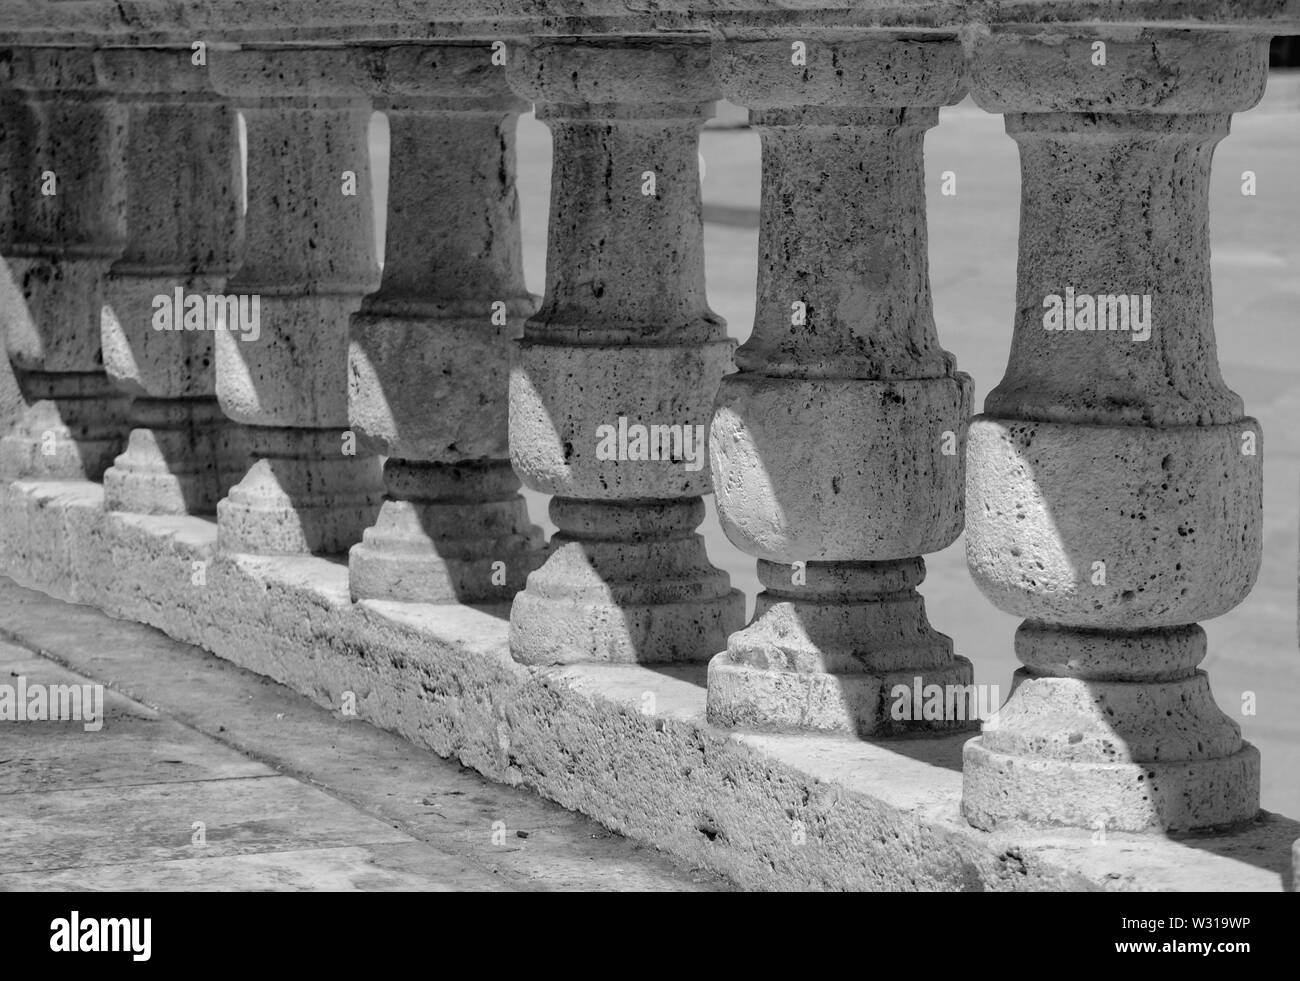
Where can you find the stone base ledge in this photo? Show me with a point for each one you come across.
(625, 744)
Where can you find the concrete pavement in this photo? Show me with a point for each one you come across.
(205, 776)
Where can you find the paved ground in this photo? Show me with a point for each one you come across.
(289, 796)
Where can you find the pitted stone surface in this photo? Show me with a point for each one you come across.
(1172, 513)
(302, 76)
(839, 445)
(309, 258)
(60, 122)
(1153, 70)
(71, 427)
(182, 458)
(309, 252)
(430, 349)
(879, 71)
(428, 364)
(301, 493)
(560, 396)
(1001, 791)
(145, 361)
(1114, 486)
(64, 137)
(857, 264)
(1110, 655)
(184, 233)
(306, 21)
(623, 265)
(624, 339)
(1125, 173)
(849, 703)
(841, 617)
(839, 470)
(184, 224)
(595, 71)
(827, 646)
(1069, 719)
(427, 387)
(624, 582)
(450, 75)
(446, 533)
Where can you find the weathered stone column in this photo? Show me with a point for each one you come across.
(309, 259)
(624, 341)
(63, 225)
(838, 446)
(184, 232)
(430, 354)
(1115, 483)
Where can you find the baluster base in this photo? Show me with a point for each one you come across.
(441, 532)
(625, 582)
(182, 458)
(71, 428)
(840, 647)
(302, 494)
(1113, 730)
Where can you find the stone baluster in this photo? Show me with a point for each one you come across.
(624, 341)
(184, 231)
(309, 258)
(1114, 482)
(64, 224)
(838, 446)
(430, 353)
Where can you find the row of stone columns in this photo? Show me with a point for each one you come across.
(1114, 483)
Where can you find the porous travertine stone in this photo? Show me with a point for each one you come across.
(184, 231)
(429, 360)
(1114, 484)
(182, 457)
(838, 447)
(310, 257)
(62, 223)
(624, 338)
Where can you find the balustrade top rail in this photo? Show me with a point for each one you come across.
(164, 22)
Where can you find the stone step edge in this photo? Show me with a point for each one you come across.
(625, 744)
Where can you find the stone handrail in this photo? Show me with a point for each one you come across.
(167, 22)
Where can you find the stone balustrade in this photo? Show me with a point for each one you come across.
(393, 417)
